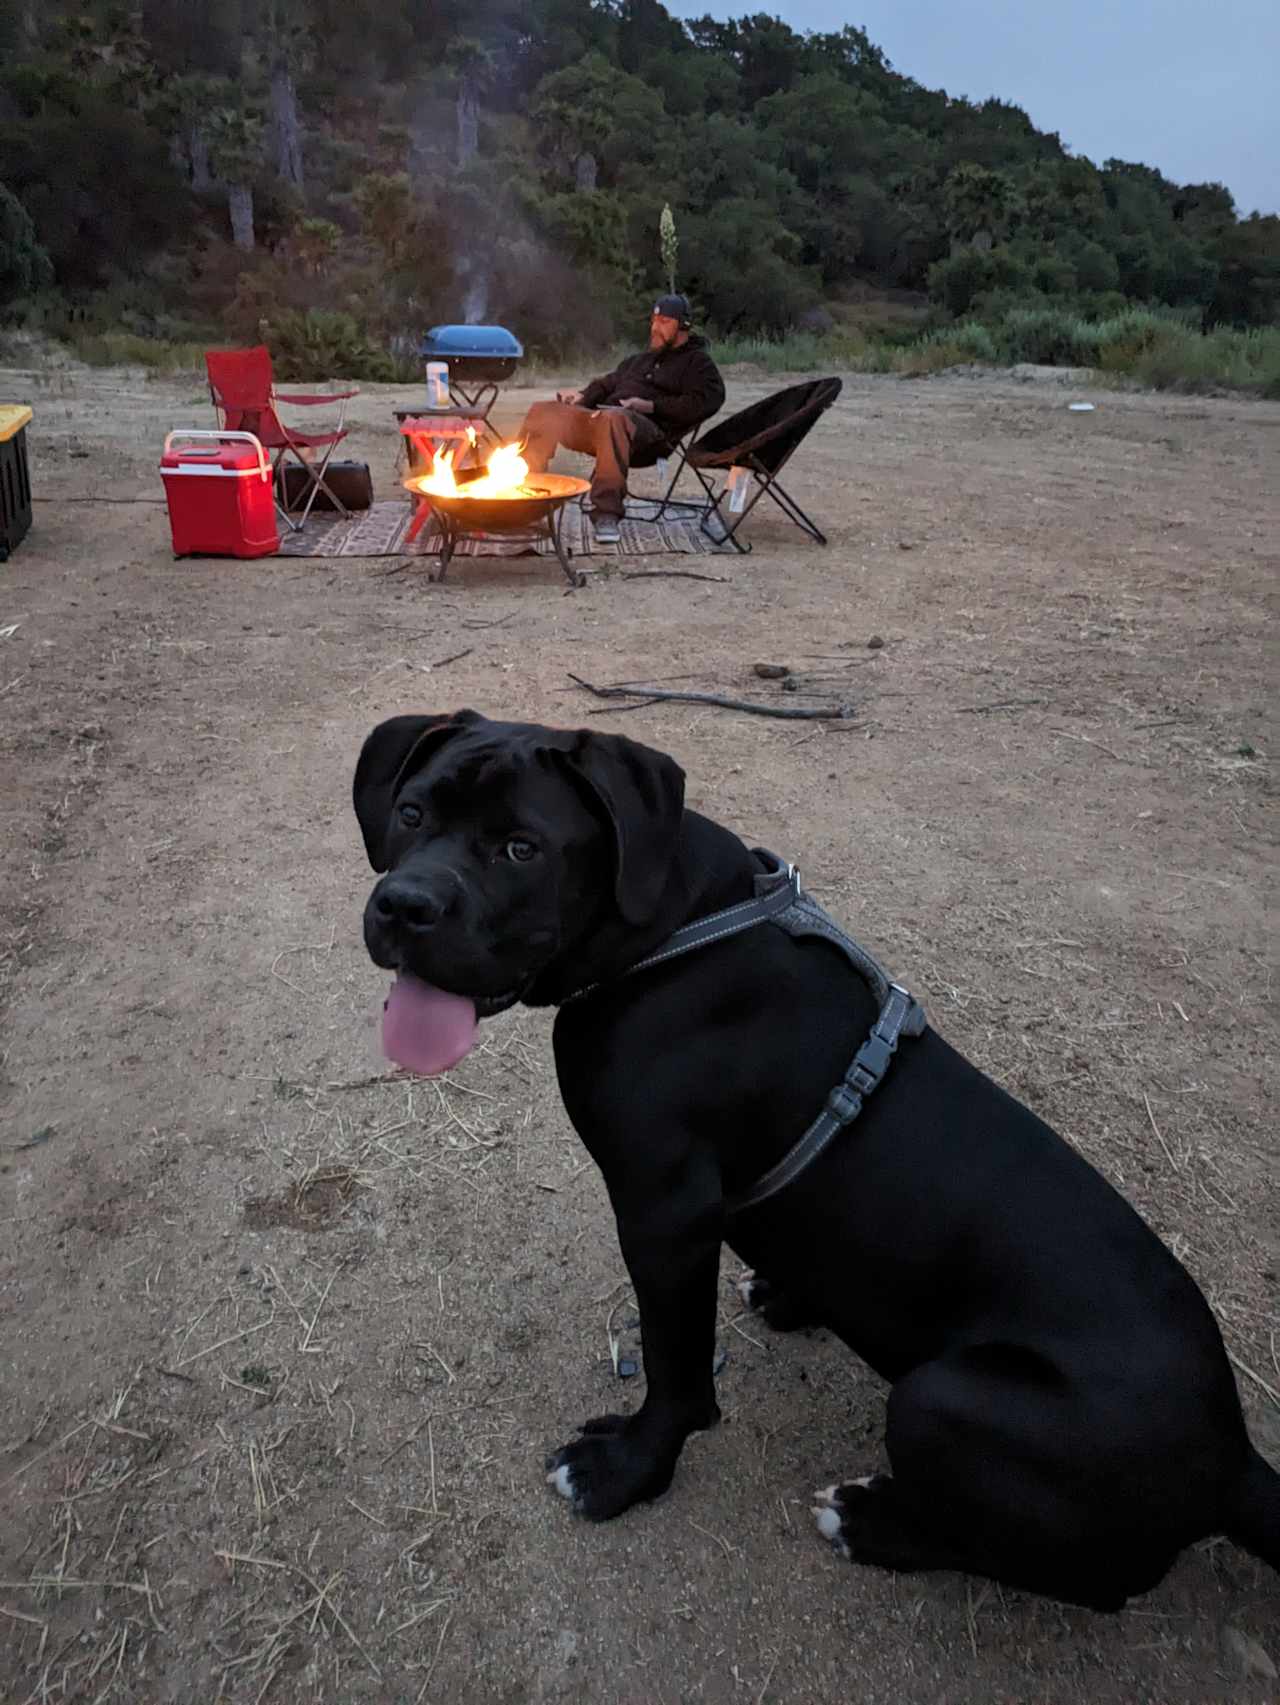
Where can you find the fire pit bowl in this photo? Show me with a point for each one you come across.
(534, 507)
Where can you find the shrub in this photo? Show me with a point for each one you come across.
(949, 346)
(1048, 336)
(1185, 360)
(128, 349)
(317, 344)
(958, 281)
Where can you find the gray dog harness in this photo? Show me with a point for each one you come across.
(779, 899)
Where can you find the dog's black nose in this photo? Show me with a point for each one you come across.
(411, 904)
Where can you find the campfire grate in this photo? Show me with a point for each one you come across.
(535, 512)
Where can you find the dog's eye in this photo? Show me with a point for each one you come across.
(410, 815)
(520, 851)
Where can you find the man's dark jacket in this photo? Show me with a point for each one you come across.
(683, 384)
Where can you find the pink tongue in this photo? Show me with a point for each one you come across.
(424, 1029)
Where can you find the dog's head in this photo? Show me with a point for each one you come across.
(505, 844)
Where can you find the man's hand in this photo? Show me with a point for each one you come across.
(569, 396)
(637, 405)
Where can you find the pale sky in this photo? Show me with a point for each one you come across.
(1192, 89)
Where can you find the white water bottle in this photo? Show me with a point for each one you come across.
(437, 384)
(736, 485)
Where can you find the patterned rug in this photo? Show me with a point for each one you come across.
(380, 531)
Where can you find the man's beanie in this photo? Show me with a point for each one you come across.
(674, 308)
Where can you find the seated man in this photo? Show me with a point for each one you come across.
(638, 412)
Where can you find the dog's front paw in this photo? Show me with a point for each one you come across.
(610, 1466)
(837, 1508)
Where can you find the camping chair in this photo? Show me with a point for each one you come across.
(679, 454)
(761, 439)
(245, 397)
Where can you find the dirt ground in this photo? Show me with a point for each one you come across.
(284, 1338)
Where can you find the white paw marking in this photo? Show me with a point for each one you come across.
(744, 1286)
(826, 1494)
(562, 1479)
(828, 1520)
(865, 1480)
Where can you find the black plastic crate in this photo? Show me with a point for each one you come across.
(15, 489)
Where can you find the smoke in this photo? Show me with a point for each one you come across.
(475, 302)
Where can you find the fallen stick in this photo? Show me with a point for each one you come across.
(674, 574)
(996, 704)
(841, 713)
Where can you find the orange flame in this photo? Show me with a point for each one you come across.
(504, 475)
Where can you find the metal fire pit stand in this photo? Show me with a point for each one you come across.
(452, 532)
(536, 513)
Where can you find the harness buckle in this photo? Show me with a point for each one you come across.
(873, 1057)
(844, 1103)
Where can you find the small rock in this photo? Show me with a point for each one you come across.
(791, 685)
(905, 545)
(627, 1368)
(771, 671)
(875, 643)
(1246, 1654)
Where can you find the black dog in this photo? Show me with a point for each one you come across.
(1063, 1417)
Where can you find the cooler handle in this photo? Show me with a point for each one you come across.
(221, 437)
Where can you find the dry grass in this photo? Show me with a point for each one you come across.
(299, 1460)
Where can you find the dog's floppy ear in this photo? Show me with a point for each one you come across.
(642, 793)
(394, 751)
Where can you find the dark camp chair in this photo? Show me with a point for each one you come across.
(762, 439)
(675, 459)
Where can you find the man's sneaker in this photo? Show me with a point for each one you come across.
(607, 529)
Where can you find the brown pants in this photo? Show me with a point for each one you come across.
(611, 435)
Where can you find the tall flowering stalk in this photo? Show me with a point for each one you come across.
(670, 245)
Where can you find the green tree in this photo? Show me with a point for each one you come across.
(235, 152)
(979, 205)
(24, 265)
(284, 37)
(740, 262)
(386, 207)
(1246, 261)
(471, 67)
(1096, 268)
(589, 117)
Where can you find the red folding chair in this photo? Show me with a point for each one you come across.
(245, 397)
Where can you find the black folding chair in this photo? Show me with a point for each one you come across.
(761, 439)
(679, 454)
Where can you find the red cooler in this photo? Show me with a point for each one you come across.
(219, 488)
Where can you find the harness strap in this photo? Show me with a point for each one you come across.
(779, 898)
(776, 891)
(901, 1015)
